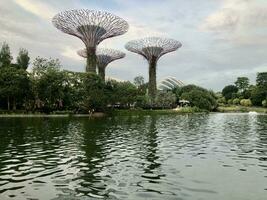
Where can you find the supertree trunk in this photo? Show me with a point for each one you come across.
(91, 60)
(101, 72)
(152, 83)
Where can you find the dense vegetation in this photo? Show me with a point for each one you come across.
(47, 88)
(244, 94)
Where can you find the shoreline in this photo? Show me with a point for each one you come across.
(227, 109)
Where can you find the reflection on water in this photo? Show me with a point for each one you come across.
(216, 156)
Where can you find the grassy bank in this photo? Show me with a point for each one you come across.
(241, 109)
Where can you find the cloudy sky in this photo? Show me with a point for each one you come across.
(222, 39)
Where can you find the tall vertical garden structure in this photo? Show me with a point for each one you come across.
(104, 57)
(92, 27)
(152, 48)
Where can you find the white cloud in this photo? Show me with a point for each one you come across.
(239, 21)
(37, 8)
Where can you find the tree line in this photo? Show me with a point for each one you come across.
(245, 94)
(47, 88)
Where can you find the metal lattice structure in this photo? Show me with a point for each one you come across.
(152, 48)
(91, 27)
(169, 83)
(104, 57)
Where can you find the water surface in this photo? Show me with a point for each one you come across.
(181, 157)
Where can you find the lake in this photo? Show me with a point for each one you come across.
(182, 157)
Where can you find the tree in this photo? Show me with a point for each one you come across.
(95, 98)
(23, 59)
(229, 91)
(245, 102)
(139, 81)
(259, 92)
(41, 65)
(14, 85)
(50, 84)
(5, 56)
(242, 83)
(164, 99)
(198, 97)
(261, 79)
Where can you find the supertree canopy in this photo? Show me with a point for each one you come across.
(91, 27)
(152, 48)
(104, 57)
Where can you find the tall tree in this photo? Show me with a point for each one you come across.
(139, 81)
(261, 79)
(5, 55)
(14, 85)
(242, 83)
(229, 91)
(23, 59)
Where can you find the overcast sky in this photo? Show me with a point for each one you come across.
(222, 39)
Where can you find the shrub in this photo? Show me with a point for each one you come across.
(230, 101)
(264, 103)
(199, 97)
(164, 99)
(246, 102)
(236, 101)
(221, 100)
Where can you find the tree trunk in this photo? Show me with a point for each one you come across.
(8, 103)
(152, 83)
(91, 60)
(101, 72)
(14, 104)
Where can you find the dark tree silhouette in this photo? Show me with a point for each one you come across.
(152, 48)
(104, 57)
(91, 27)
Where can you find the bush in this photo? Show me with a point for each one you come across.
(164, 99)
(230, 101)
(246, 102)
(264, 103)
(236, 101)
(221, 100)
(199, 97)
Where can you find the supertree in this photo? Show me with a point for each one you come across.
(104, 57)
(91, 27)
(152, 48)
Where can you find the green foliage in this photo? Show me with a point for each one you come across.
(164, 99)
(14, 85)
(264, 103)
(230, 101)
(246, 102)
(221, 100)
(95, 98)
(42, 65)
(261, 79)
(139, 81)
(229, 91)
(236, 101)
(5, 56)
(259, 92)
(23, 59)
(242, 83)
(199, 97)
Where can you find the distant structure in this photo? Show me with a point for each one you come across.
(152, 48)
(169, 83)
(91, 27)
(104, 57)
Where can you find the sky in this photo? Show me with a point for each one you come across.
(221, 39)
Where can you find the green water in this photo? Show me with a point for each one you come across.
(182, 157)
